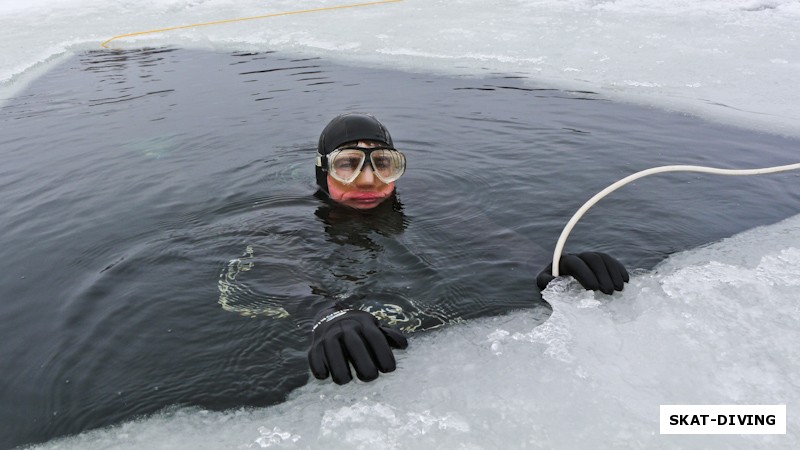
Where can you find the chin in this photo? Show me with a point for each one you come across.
(363, 204)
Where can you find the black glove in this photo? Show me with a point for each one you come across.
(593, 270)
(356, 336)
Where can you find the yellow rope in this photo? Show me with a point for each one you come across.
(355, 5)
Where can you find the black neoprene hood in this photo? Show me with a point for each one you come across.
(345, 128)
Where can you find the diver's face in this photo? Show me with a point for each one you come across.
(365, 192)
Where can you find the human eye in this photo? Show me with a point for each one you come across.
(346, 163)
(382, 162)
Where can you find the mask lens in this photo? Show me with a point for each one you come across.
(388, 165)
(345, 165)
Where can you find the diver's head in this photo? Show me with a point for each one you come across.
(356, 162)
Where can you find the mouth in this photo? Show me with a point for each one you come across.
(366, 198)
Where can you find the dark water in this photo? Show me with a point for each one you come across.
(158, 218)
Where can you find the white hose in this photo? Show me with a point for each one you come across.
(577, 216)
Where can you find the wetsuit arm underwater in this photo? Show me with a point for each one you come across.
(342, 336)
(593, 270)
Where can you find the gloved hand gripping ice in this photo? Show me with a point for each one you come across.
(593, 270)
(356, 337)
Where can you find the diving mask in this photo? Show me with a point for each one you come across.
(346, 163)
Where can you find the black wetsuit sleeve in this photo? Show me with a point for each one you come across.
(306, 311)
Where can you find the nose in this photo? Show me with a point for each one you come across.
(366, 177)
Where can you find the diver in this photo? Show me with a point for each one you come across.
(357, 166)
